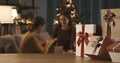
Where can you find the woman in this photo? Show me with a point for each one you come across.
(64, 32)
(30, 42)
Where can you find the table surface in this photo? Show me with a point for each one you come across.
(46, 58)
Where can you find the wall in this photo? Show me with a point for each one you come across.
(42, 11)
(51, 14)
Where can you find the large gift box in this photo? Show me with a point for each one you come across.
(82, 34)
(94, 45)
(114, 22)
(114, 51)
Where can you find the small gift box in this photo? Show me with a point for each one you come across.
(114, 51)
(82, 34)
(101, 53)
(94, 45)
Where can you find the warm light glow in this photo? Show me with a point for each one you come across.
(57, 9)
(5, 14)
(70, 1)
(58, 14)
(72, 12)
(55, 22)
(68, 5)
(14, 13)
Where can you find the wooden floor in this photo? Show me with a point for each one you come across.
(46, 58)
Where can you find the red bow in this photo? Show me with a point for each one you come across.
(83, 37)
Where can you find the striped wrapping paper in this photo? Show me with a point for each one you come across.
(115, 47)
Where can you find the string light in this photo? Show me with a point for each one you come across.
(22, 21)
(67, 6)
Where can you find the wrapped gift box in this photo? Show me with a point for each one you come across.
(114, 51)
(114, 29)
(101, 53)
(94, 45)
(81, 37)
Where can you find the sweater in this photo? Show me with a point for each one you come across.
(30, 44)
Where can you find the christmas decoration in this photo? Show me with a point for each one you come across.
(22, 21)
(69, 7)
(83, 32)
(83, 37)
(108, 19)
(110, 22)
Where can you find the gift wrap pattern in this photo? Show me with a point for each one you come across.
(94, 45)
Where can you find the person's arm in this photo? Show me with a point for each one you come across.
(37, 44)
(44, 48)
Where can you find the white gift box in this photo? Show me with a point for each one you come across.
(115, 31)
(94, 45)
(114, 51)
(115, 56)
(90, 29)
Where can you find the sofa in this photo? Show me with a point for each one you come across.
(10, 43)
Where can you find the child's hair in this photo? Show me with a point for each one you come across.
(37, 21)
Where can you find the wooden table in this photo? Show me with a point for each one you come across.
(46, 58)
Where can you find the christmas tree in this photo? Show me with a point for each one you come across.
(70, 8)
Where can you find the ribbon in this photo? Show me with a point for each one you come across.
(83, 37)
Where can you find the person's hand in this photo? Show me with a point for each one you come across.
(43, 43)
(52, 40)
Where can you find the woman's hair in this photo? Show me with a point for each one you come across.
(37, 21)
(67, 15)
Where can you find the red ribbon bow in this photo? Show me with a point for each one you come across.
(83, 37)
